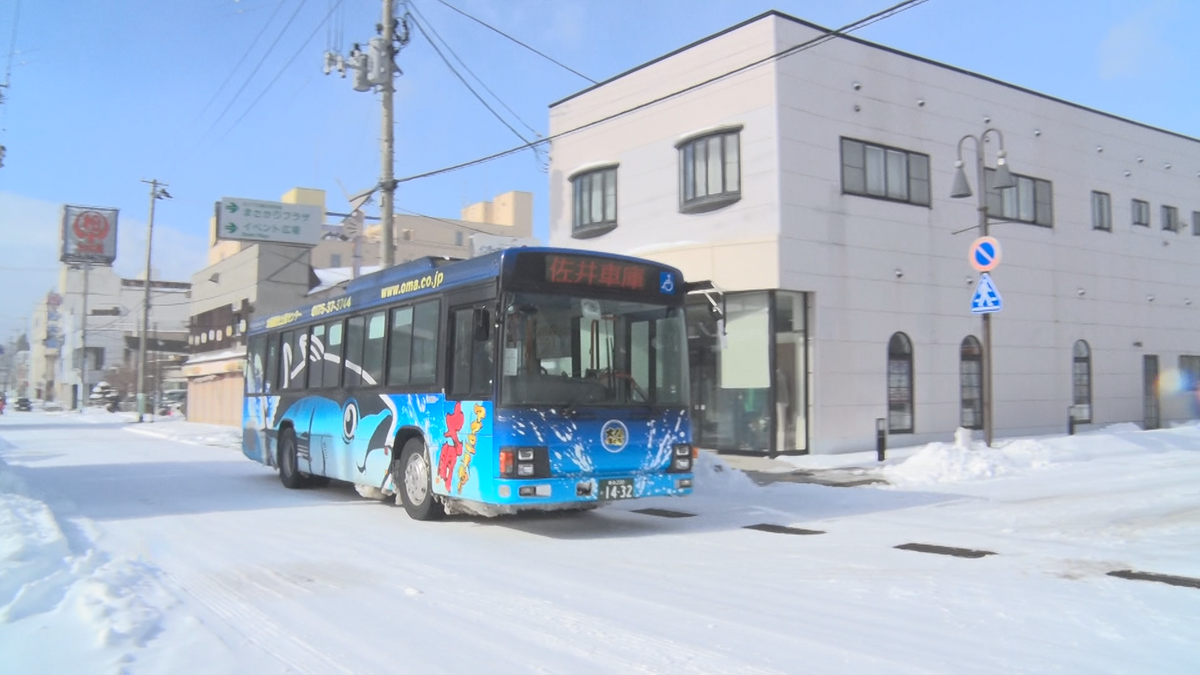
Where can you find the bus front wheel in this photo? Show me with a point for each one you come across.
(289, 470)
(416, 483)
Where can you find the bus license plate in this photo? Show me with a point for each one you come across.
(616, 488)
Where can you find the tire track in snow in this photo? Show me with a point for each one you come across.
(250, 622)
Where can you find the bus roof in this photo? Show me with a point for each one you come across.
(417, 278)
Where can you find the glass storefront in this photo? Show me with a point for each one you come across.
(749, 365)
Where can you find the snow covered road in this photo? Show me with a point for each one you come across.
(122, 550)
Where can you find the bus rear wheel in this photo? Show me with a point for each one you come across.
(416, 483)
(289, 470)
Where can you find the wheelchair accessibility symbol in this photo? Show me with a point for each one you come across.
(666, 283)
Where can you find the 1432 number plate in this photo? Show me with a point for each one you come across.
(616, 488)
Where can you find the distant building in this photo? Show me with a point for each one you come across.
(245, 279)
(812, 191)
(114, 307)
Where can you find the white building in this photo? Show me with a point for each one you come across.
(114, 308)
(813, 191)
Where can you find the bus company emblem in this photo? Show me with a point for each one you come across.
(349, 420)
(614, 436)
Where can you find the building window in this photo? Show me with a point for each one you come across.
(1101, 211)
(1029, 201)
(887, 173)
(970, 378)
(710, 173)
(1196, 223)
(458, 238)
(1082, 382)
(1170, 218)
(900, 385)
(1141, 213)
(595, 203)
(335, 259)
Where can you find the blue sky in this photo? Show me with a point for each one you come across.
(104, 94)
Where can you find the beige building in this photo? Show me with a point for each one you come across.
(245, 279)
(813, 191)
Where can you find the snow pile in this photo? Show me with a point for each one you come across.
(968, 460)
(715, 478)
(119, 600)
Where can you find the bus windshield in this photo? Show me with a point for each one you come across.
(566, 350)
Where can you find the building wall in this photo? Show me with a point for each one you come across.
(873, 267)
(642, 144)
(216, 399)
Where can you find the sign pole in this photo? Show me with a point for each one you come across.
(83, 368)
(986, 375)
(156, 193)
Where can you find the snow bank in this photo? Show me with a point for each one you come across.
(969, 460)
(119, 600)
(715, 478)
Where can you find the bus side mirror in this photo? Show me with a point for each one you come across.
(483, 324)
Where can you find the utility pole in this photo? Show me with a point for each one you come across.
(157, 192)
(84, 392)
(375, 69)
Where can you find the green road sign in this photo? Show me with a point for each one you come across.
(270, 222)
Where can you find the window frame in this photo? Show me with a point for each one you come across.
(1189, 364)
(909, 398)
(1196, 223)
(1081, 389)
(911, 178)
(1136, 206)
(729, 191)
(1000, 200)
(970, 350)
(473, 392)
(1170, 218)
(1102, 211)
(583, 189)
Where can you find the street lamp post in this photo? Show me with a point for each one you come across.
(961, 188)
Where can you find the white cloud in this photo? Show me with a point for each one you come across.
(29, 265)
(1137, 44)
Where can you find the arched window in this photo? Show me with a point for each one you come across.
(1081, 379)
(900, 385)
(970, 379)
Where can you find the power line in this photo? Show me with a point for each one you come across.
(497, 30)
(467, 84)
(840, 32)
(242, 60)
(287, 65)
(254, 72)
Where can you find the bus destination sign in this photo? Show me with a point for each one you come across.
(581, 270)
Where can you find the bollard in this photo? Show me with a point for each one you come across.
(880, 437)
(1071, 421)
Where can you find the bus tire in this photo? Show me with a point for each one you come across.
(289, 469)
(416, 483)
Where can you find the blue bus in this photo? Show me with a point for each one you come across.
(528, 378)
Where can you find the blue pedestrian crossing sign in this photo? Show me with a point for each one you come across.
(986, 299)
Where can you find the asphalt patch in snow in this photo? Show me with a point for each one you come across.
(945, 550)
(1187, 582)
(782, 529)
(664, 513)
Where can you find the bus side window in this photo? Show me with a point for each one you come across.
(332, 365)
(354, 351)
(425, 342)
(316, 354)
(272, 364)
(400, 349)
(254, 365)
(295, 355)
(372, 365)
(472, 368)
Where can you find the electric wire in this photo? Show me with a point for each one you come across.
(238, 65)
(253, 72)
(468, 69)
(840, 32)
(282, 70)
(506, 35)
